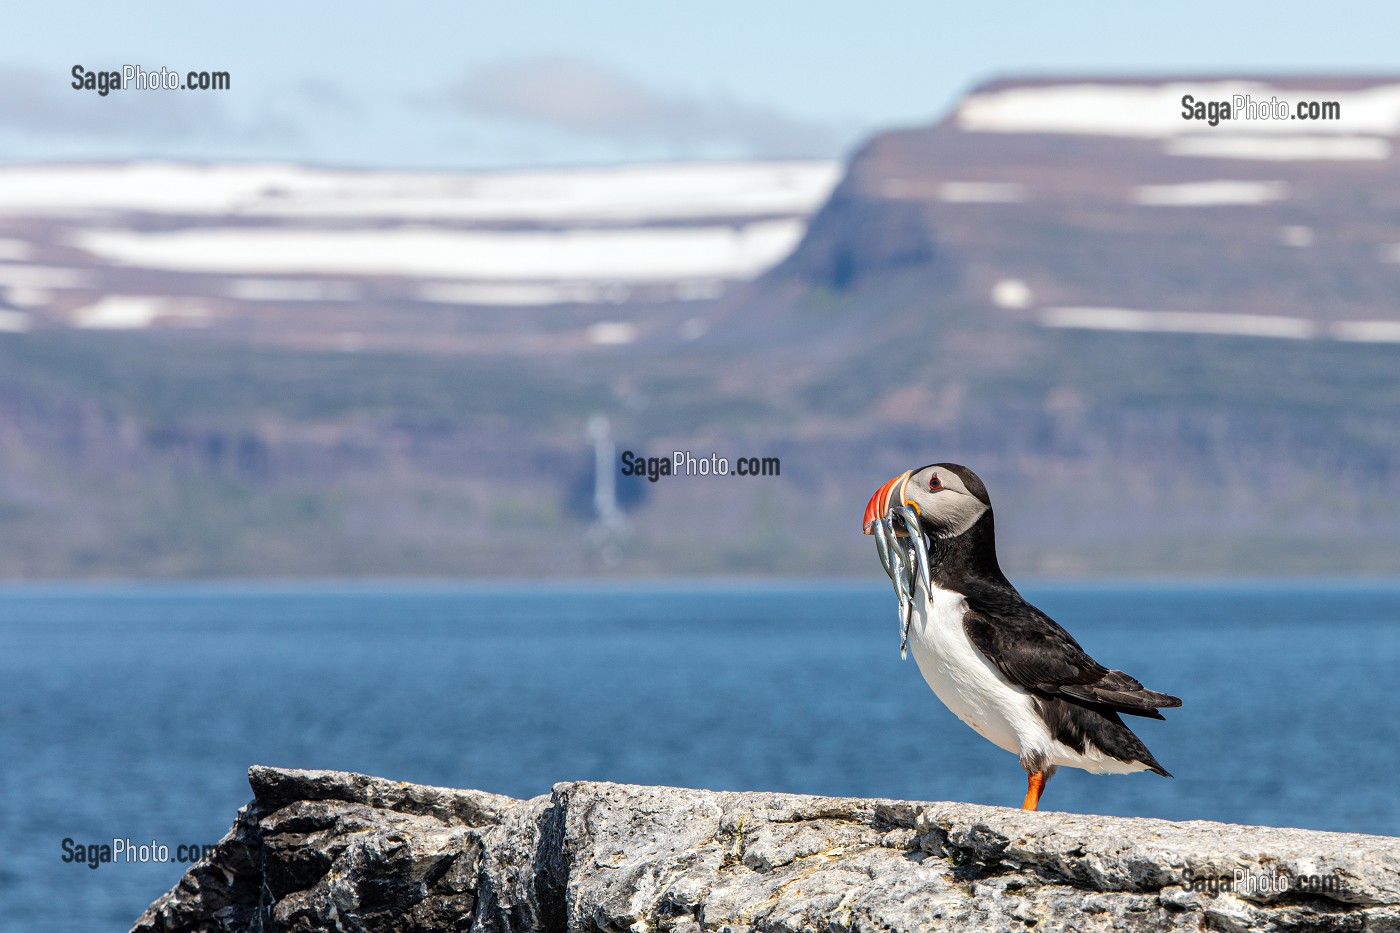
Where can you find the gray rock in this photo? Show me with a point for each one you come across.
(324, 850)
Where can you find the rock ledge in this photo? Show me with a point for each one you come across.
(328, 850)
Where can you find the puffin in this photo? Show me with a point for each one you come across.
(997, 662)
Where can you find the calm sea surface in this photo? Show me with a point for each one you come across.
(134, 712)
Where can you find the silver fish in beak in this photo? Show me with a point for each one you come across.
(897, 568)
(918, 544)
(901, 561)
(882, 547)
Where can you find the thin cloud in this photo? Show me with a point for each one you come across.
(586, 99)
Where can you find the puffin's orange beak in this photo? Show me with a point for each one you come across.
(880, 502)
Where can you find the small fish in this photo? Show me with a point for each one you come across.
(906, 608)
(916, 539)
(882, 547)
(885, 545)
(889, 549)
(903, 586)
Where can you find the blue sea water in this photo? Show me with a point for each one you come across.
(134, 712)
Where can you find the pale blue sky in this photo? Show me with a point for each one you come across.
(470, 84)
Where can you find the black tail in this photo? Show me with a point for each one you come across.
(1078, 725)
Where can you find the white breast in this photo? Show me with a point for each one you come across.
(966, 682)
(979, 694)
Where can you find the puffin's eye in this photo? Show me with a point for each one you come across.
(934, 483)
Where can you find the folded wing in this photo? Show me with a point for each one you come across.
(1033, 651)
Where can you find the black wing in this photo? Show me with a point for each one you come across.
(1034, 652)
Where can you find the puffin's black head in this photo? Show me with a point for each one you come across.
(948, 497)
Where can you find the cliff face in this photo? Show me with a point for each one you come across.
(1064, 284)
(324, 850)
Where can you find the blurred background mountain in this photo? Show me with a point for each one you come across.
(1170, 349)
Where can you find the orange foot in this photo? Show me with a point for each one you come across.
(1035, 785)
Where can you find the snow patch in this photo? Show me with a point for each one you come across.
(640, 255)
(1210, 193)
(612, 333)
(1281, 148)
(1180, 322)
(981, 192)
(25, 297)
(1367, 331)
(631, 193)
(510, 294)
(291, 290)
(1011, 293)
(133, 312)
(118, 312)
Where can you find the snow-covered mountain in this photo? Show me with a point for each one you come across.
(1166, 338)
(136, 245)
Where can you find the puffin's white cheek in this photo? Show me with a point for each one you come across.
(957, 514)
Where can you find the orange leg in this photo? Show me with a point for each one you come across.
(1035, 784)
